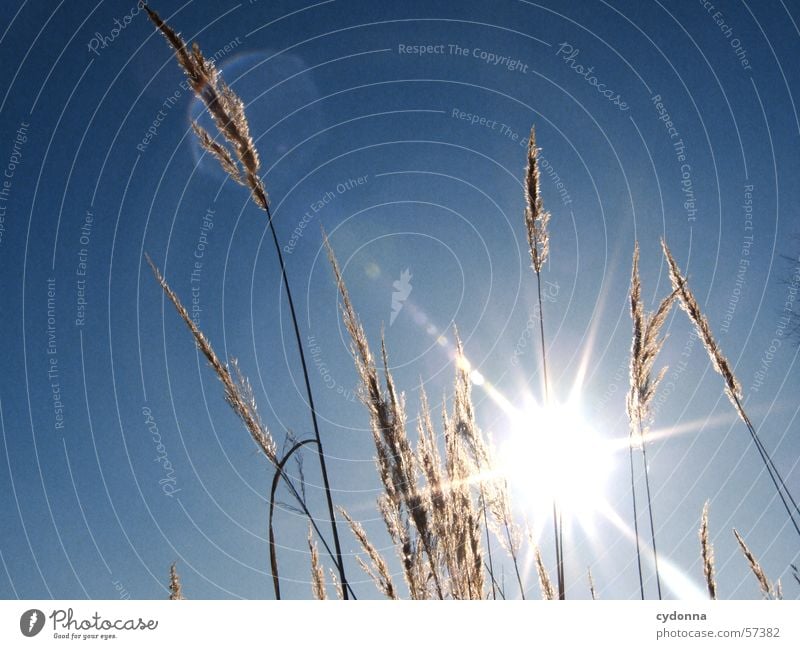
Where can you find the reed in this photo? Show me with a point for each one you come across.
(707, 554)
(317, 573)
(536, 222)
(239, 158)
(733, 389)
(646, 344)
(767, 590)
(175, 589)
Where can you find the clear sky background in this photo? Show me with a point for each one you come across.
(95, 123)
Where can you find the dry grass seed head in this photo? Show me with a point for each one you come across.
(755, 567)
(646, 344)
(707, 553)
(225, 108)
(546, 586)
(379, 571)
(238, 392)
(536, 217)
(317, 573)
(689, 304)
(175, 589)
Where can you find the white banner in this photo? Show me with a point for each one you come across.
(387, 625)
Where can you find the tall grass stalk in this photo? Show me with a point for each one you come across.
(239, 396)
(647, 342)
(733, 389)
(175, 588)
(767, 589)
(240, 160)
(536, 220)
(707, 554)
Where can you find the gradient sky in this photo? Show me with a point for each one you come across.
(382, 143)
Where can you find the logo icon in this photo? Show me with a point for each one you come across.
(31, 622)
(402, 289)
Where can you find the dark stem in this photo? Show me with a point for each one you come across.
(650, 512)
(488, 543)
(636, 520)
(557, 531)
(499, 588)
(318, 439)
(280, 473)
(774, 474)
(514, 559)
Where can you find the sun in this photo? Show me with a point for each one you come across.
(551, 454)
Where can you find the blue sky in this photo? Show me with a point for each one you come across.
(411, 162)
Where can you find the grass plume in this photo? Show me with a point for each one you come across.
(317, 573)
(238, 392)
(536, 217)
(175, 588)
(732, 387)
(536, 222)
(707, 553)
(647, 342)
(763, 583)
(239, 158)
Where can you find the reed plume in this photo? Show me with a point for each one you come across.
(732, 387)
(225, 108)
(175, 589)
(379, 570)
(240, 160)
(536, 221)
(536, 217)
(546, 586)
(239, 396)
(763, 583)
(428, 502)
(238, 392)
(592, 589)
(492, 487)
(317, 573)
(645, 347)
(707, 553)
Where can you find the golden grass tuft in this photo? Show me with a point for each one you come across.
(764, 584)
(707, 554)
(175, 589)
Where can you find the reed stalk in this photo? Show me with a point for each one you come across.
(733, 389)
(240, 160)
(536, 221)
